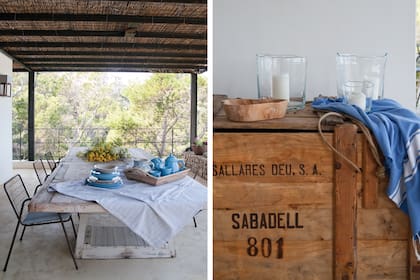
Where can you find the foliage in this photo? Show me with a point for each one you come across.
(76, 108)
(160, 107)
(20, 115)
(417, 20)
(200, 141)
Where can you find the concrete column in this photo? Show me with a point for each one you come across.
(6, 148)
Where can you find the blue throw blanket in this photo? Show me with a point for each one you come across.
(397, 131)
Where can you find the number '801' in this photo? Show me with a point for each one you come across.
(264, 247)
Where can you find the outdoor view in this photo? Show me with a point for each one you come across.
(149, 111)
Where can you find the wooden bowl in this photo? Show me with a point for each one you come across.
(251, 110)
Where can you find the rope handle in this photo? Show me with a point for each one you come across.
(369, 138)
(331, 146)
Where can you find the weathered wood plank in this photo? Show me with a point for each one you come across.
(382, 224)
(300, 260)
(286, 157)
(382, 259)
(127, 252)
(291, 224)
(45, 201)
(414, 264)
(345, 206)
(81, 235)
(369, 177)
(383, 199)
(108, 242)
(235, 195)
(302, 120)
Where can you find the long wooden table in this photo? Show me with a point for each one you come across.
(98, 237)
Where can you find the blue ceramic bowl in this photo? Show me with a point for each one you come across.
(155, 173)
(105, 168)
(104, 176)
(165, 171)
(98, 184)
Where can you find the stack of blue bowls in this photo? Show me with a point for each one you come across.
(105, 177)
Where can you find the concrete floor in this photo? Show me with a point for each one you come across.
(43, 253)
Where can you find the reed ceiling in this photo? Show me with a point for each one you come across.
(102, 35)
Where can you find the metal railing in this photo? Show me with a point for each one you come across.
(59, 140)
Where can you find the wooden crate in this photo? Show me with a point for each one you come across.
(285, 207)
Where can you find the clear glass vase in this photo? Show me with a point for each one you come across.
(282, 77)
(362, 69)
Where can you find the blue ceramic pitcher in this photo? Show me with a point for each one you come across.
(158, 163)
(175, 164)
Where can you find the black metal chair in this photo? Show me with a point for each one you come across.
(194, 219)
(19, 197)
(50, 160)
(41, 173)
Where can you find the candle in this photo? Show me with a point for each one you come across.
(358, 99)
(281, 86)
(376, 82)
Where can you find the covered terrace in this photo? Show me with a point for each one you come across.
(112, 36)
(157, 36)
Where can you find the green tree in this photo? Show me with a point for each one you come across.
(20, 115)
(76, 108)
(202, 106)
(159, 113)
(76, 105)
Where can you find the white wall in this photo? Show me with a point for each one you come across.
(6, 66)
(317, 29)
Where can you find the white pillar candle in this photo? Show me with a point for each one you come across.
(376, 83)
(281, 86)
(358, 99)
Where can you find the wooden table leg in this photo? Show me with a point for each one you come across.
(81, 235)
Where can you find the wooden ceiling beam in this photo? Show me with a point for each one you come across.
(86, 33)
(117, 60)
(115, 69)
(127, 70)
(114, 65)
(101, 18)
(101, 53)
(99, 45)
(165, 1)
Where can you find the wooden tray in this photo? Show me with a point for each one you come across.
(250, 110)
(141, 176)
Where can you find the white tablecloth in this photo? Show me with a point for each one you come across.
(155, 213)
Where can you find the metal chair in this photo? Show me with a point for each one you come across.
(194, 219)
(41, 173)
(50, 160)
(19, 197)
